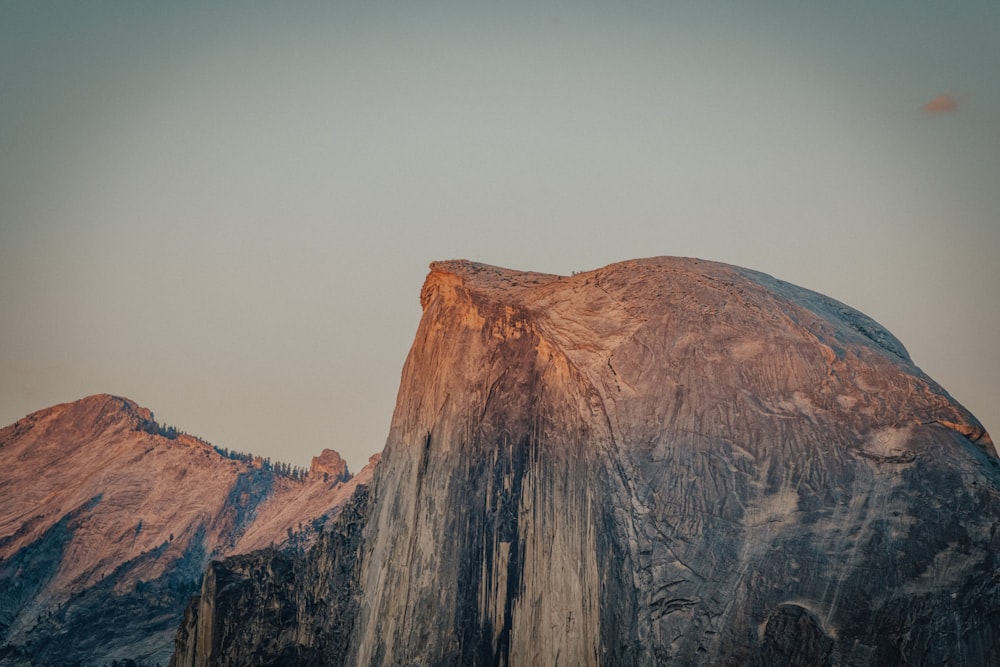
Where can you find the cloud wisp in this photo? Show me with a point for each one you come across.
(942, 104)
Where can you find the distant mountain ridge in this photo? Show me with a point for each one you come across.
(108, 519)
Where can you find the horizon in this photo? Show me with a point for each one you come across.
(225, 213)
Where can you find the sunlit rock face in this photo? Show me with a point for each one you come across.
(108, 520)
(330, 466)
(668, 461)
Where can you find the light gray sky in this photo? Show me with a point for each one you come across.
(226, 212)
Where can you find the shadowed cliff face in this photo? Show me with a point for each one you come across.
(671, 460)
(279, 608)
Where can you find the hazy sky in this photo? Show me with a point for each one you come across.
(226, 212)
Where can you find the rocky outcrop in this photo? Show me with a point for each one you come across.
(279, 607)
(108, 520)
(329, 465)
(665, 461)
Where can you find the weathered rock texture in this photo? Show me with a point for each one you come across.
(108, 520)
(279, 607)
(665, 461)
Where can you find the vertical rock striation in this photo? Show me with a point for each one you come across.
(483, 540)
(665, 461)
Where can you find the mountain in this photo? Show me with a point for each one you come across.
(108, 520)
(664, 461)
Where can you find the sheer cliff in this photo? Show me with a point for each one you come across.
(664, 461)
(108, 520)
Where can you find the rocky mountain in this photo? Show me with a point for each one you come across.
(108, 520)
(664, 461)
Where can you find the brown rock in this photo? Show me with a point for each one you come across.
(330, 466)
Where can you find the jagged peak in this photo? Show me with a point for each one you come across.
(331, 464)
